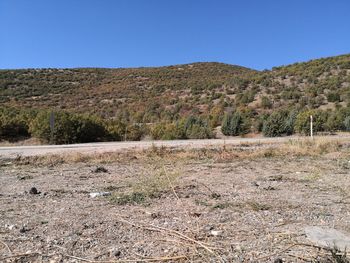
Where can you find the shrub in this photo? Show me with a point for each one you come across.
(290, 122)
(335, 121)
(197, 128)
(266, 102)
(13, 124)
(347, 123)
(68, 128)
(187, 128)
(275, 125)
(333, 97)
(280, 123)
(235, 124)
(168, 131)
(115, 130)
(302, 123)
(134, 132)
(64, 131)
(259, 122)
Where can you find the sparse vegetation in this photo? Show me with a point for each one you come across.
(176, 102)
(179, 198)
(235, 124)
(147, 186)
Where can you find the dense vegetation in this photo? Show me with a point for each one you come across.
(176, 102)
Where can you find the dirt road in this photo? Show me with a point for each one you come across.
(117, 146)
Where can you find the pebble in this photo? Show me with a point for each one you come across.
(34, 191)
(93, 195)
(215, 233)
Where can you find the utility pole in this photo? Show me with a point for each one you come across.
(311, 127)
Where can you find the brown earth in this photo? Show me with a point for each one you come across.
(203, 206)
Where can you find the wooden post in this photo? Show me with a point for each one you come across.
(52, 126)
(311, 127)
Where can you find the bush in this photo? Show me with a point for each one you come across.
(290, 122)
(333, 97)
(13, 124)
(235, 124)
(197, 128)
(266, 102)
(168, 131)
(302, 123)
(68, 128)
(134, 132)
(335, 121)
(347, 123)
(115, 130)
(187, 128)
(259, 122)
(275, 125)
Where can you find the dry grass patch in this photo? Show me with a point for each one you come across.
(152, 183)
(294, 147)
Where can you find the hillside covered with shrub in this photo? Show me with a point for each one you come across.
(175, 102)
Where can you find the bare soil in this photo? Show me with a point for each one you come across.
(198, 209)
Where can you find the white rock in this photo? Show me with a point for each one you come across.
(328, 237)
(215, 233)
(93, 195)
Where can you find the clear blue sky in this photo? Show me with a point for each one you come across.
(133, 33)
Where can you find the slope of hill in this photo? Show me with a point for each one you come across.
(183, 93)
(149, 93)
(109, 91)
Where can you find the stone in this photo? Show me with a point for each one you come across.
(34, 191)
(328, 237)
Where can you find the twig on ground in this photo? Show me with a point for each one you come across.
(155, 259)
(176, 233)
(300, 257)
(6, 246)
(294, 245)
(20, 255)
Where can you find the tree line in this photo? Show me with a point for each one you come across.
(18, 124)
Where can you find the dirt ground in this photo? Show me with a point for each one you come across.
(206, 208)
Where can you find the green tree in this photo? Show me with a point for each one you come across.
(302, 123)
(347, 123)
(235, 124)
(275, 125)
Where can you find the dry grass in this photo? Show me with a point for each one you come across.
(292, 148)
(153, 183)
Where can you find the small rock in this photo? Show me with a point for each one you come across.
(275, 178)
(100, 169)
(269, 188)
(195, 214)
(215, 195)
(215, 233)
(34, 191)
(97, 194)
(24, 177)
(278, 260)
(328, 237)
(24, 229)
(255, 184)
(117, 253)
(155, 215)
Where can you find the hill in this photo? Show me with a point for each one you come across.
(108, 92)
(168, 94)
